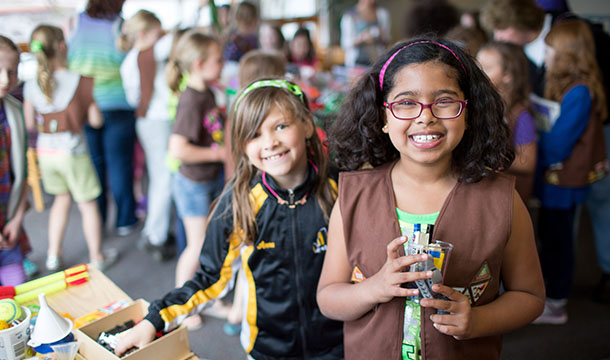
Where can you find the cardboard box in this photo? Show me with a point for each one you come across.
(172, 346)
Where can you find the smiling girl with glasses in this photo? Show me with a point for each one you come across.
(430, 123)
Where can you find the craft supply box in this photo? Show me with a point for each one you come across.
(172, 346)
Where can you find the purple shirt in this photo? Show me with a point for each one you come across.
(525, 129)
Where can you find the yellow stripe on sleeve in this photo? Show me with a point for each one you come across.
(226, 274)
(251, 309)
(170, 313)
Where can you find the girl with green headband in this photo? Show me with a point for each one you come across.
(271, 221)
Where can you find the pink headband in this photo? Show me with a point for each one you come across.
(387, 63)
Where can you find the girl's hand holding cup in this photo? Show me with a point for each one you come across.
(387, 283)
(456, 319)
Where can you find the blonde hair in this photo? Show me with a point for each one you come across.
(143, 20)
(48, 39)
(250, 112)
(574, 62)
(192, 46)
(256, 65)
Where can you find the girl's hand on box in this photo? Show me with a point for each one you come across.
(458, 323)
(140, 335)
(387, 283)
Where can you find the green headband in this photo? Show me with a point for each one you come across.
(35, 46)
(282, 84)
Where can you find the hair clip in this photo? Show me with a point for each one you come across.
(35, 46)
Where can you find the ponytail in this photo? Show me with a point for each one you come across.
(124, 43)
(45, 45)
(173, 75)
(44, 76)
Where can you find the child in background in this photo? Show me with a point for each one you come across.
(281, 179)
(432, 128)
(13, 187)
(65, 101)
(471, 38)
(145, 84)
(93, 53)
(301, 51)
(255, 65)
(506, 66)
(197, 141)
(245, 37)
(271, 39)
(571, 155)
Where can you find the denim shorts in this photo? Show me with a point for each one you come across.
(193, 198)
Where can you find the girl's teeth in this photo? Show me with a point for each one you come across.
(425, 138)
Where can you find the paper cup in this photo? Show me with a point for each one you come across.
(13, 340)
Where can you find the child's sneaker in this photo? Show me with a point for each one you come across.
(29, 268)
(231, 329)
(53, 262)
(110, 257)
(555, 312)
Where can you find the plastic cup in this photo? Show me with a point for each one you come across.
(65, 351)
(438, 258)
(439, 251)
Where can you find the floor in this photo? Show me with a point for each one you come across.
(586, 336)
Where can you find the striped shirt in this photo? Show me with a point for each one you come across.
(92, 52)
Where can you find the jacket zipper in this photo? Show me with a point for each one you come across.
(295, 244)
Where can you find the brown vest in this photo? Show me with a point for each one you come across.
(587, 163)
(475, 218)
(147, 68)
(74, 115)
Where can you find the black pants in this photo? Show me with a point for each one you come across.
(556, 234)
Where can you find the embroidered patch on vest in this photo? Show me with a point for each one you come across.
(320, 244)
(478, 284)
(482, 275)
(357, 275)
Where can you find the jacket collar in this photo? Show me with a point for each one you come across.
(299, 193)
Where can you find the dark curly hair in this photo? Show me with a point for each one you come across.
(356, 138)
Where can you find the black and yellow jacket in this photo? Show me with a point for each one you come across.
(281, 271)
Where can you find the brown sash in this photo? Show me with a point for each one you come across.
(587, 163)
(147, 68)
(74, 115)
